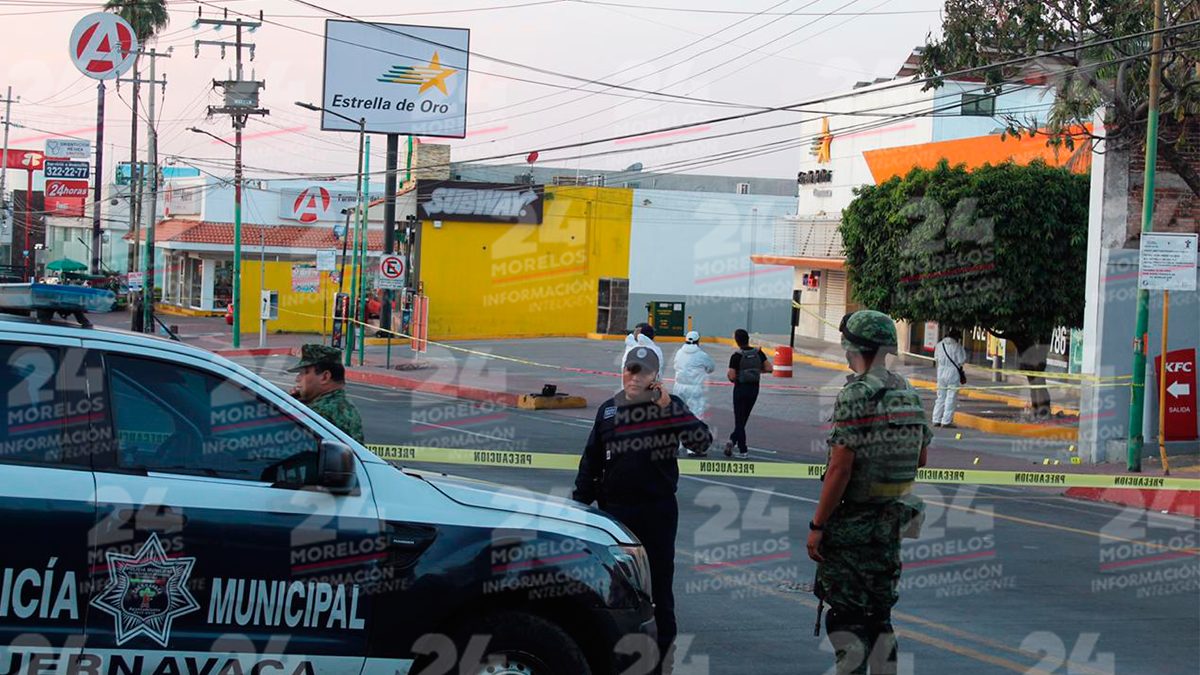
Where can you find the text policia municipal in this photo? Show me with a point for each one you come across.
(27, 593)
(381, 103)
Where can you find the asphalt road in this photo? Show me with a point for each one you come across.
(1002, 580)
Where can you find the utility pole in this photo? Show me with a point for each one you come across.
(134, 193)
(1137, 402)
(241, 101)
(147, 257)
(5, 226)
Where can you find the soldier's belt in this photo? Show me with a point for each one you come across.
(780, 470)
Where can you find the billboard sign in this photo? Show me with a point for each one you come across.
(182, 199)
(125, 175)
(69, 148)
(66, 197)
(66, 170)
(316, 203)
(400, 79)
(479, 202)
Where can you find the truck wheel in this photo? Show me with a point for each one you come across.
(524, 644)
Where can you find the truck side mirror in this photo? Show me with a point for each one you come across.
(335, 468)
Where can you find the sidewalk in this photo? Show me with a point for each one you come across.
(1012, 391)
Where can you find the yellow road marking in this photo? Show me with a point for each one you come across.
(1064, 528)
(924, 637)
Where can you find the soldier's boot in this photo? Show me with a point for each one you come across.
(883, 658)
(851, 640)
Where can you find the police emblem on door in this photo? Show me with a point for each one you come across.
(146, 592)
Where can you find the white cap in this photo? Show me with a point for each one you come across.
(693, 337)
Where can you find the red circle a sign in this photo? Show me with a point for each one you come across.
(103, 46)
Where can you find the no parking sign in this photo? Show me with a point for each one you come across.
(391, 272)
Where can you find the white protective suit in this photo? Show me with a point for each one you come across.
(947, 350)
(692, 367)
(642, 341)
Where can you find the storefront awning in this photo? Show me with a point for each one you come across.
(200, 232)
(795, 261)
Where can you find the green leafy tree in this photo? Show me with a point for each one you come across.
(1001, 247)
(1113, 76)
(148, 17)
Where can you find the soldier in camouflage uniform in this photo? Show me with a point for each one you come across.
(321, 384)
(878, 440)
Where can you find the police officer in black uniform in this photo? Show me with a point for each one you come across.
(629, 468)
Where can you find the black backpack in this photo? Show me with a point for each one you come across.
(750, 367)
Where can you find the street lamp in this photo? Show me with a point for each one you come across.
(362, 133)
(237, 236)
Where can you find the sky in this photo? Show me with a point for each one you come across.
(751, 52)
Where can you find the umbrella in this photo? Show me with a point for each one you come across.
(66, 265)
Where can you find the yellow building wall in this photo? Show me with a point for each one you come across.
(298, 312)
(495, 280)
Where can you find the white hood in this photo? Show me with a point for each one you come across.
(524, 509)
(642, 341)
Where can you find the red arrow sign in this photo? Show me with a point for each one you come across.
(1181, 394)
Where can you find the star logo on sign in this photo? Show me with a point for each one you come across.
(146, 592)
(427, 77)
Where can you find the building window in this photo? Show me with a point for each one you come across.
(223, 284)
(979, 105)
(195, 268)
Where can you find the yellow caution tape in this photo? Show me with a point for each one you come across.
(1122, 379)
(789, 470)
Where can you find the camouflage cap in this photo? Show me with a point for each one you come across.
(868, 330)
(312, 354)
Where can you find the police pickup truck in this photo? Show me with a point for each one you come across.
(164, 511)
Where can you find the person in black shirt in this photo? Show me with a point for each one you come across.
(629, 469)
(746, 367)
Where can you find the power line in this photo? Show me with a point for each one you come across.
(720, 65)
(584, 80)
(776, 53)
(636, 66)
(698, 10)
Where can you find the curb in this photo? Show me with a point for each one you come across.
(535, 402)
(268, 351)
(1037, 431)
(1177, 502)
(445, 389)
(173, 310)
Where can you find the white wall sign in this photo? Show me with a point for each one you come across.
(314, 203)
(1167, 262)
(401, 79)
(931, 336)
(326, 260)
(182, 200)
(68, 148)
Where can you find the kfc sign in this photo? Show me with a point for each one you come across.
(66, 197)
(1180, 391)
